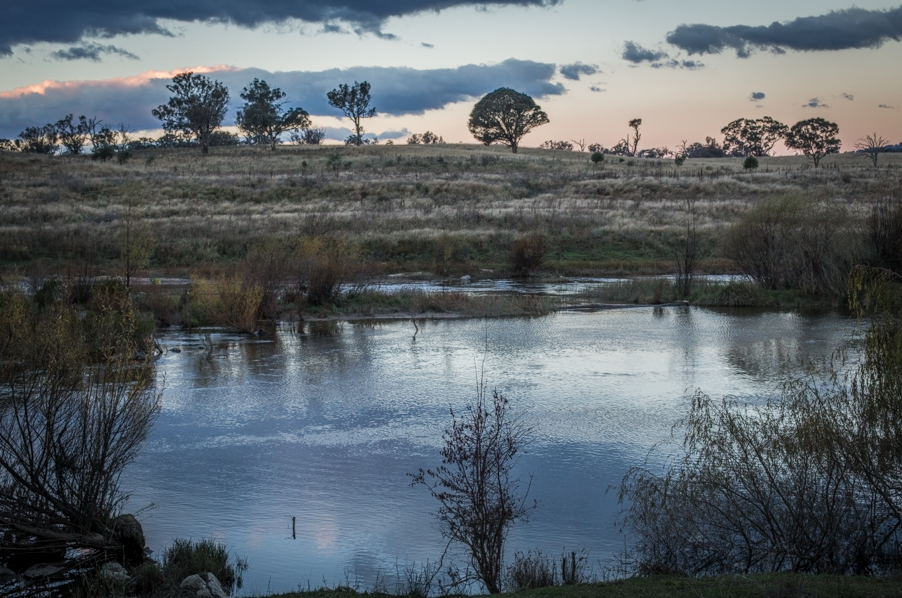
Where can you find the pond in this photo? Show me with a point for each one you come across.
(323, 422)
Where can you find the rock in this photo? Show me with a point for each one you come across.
(42, 570)
(115, 573)
(129, 534)
(7, 576)
(140, 355)
(465, 279)
(203, 586)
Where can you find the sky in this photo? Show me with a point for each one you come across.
(685, 68)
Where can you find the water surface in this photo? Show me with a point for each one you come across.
(324, 423)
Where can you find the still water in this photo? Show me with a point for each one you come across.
(323, 424)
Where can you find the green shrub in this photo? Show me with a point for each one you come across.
(527, 254)
(751, 163)
(185, 558)
(597, 157)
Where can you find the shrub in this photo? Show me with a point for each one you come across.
(123, 155)
(809, 482)
(321, 264)
(597, 157)
(75, 409)
(793, 242)
(148, 576)
(885, 233)
(103, 152)
(530, 571)
(185, 558)
(750, 163)
(267, 266)
(679, 160)
(225, 302)
(527, 254)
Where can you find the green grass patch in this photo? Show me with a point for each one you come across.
(783, 585)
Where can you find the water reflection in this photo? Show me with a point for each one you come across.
(322, 422)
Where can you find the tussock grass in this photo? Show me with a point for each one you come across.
(394, 203)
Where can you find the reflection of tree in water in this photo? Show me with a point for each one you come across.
(771, 346)
(766, 358)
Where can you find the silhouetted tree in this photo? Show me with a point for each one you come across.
(815, 137)
(871, 146)
(634, 147)
(505, 116)
(426, 138)
(263, 119)
(354, 101)
(74, 135)
(746, 137)
(564, 146)
(710, 149)
(197, 108)
(38, 140)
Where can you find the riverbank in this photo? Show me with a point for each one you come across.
(782, 585)
(202, 302)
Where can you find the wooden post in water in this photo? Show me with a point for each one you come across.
(293, 535)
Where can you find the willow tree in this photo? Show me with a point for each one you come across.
(505, 116)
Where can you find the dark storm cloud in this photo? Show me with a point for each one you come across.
(757, 96)
(68, 21)
(673, 63)
(396, 91)
(837, 30)
(90, 51)
(574, 71)
(633, 52)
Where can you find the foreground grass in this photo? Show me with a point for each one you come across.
(784, 585)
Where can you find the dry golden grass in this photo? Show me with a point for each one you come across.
(443, 208)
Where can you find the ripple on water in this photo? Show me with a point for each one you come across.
(324, 427)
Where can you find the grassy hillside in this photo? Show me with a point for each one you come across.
(449, 209)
